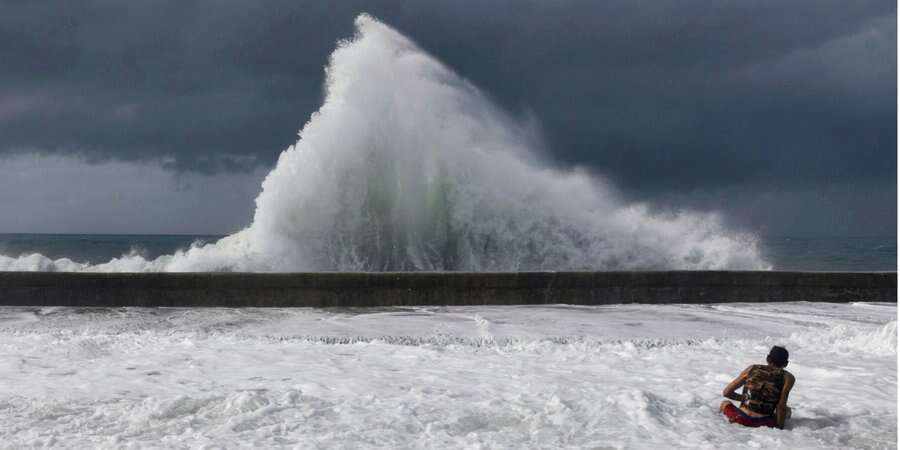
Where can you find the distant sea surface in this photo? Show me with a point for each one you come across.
(785, 253)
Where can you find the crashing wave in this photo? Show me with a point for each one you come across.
(407, 166)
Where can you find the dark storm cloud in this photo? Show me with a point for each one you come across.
(660, 96)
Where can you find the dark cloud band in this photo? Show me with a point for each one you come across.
(673, 95)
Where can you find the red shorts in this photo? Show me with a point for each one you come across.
(735, 415)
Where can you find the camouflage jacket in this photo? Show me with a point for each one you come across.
(763, 389)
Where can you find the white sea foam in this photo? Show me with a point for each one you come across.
(407, 166)
(621, 376)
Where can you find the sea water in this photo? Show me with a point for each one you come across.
(407, 166)
(784, 253)
(551, 377)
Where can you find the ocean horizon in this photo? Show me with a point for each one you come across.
(789, 253)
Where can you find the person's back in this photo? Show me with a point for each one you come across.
(762, 389)
(765, 393)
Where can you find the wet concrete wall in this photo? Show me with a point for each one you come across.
(446, 288)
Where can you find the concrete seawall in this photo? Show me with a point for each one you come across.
(447, 288)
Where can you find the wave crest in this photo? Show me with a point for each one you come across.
(407, 166)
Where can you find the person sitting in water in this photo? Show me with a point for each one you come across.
(766, 389)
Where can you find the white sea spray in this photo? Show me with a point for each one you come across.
(618, 376)
(407, 166)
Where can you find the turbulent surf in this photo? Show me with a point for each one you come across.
(541, 377)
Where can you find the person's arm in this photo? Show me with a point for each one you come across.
(780, 409)
(729, 391)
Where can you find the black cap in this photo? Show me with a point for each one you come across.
(778, 356)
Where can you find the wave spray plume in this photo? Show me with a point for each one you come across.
(407, 166)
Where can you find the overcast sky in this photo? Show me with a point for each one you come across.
(164, 116)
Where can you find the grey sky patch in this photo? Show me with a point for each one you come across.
(861, 209)
(53, 194)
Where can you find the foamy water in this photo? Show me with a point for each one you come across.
(622, 376)
(408, 166)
